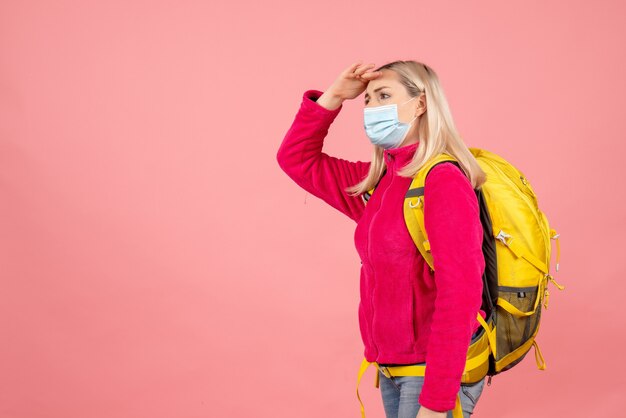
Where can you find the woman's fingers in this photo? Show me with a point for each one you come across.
(371, 74)
(361, 73)
(353, 80)
(353, 67)
(357, 69)
(363, 68)
(368, 76)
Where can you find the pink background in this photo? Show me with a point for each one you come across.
(155, 260)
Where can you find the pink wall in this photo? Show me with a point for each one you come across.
(156, 262)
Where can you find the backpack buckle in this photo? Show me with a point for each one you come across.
(502, 236)
(417, 202)
(385, 371)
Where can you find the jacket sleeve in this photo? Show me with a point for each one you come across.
(452, 222)
(300, 156)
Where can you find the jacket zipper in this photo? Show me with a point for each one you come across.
(369, 242)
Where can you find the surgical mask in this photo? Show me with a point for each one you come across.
(383, 127)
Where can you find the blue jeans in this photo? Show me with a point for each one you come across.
(400, 395)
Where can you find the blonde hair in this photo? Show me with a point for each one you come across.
(437, 132)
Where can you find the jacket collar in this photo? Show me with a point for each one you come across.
(399, 157)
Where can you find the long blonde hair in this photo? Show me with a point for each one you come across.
(437, 132)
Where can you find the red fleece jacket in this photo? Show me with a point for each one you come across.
(407, 313)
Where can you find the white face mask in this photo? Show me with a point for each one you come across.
(383, 127)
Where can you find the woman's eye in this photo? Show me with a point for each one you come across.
(381, 96)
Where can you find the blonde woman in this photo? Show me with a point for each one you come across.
(408, 314)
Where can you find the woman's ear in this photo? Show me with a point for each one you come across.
(421, 105)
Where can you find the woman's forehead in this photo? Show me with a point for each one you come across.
(381, 82)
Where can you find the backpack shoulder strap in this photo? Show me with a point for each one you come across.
(366, 196)
(414, 206)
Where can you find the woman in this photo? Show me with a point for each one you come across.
(407, 313)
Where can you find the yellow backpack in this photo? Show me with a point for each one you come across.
(517, 250)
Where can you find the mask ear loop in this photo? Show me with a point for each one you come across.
(406, 103)
(409, 100)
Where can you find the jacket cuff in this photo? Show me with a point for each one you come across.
(309, 102)
(437, 405)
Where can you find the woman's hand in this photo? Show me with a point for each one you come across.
(351, 82)
(429, 413)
